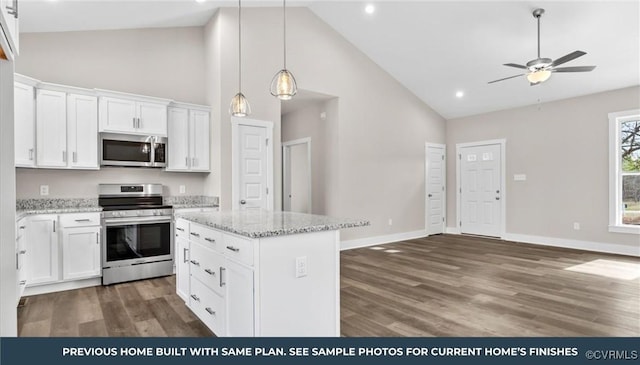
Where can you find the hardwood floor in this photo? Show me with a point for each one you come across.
(438, 286)
(141, 308)
(469, 286)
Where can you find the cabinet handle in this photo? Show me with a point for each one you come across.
(97, 238)
(13, 10)
(210, 311)
(75, 156)
(22, 227)
(22, 282)
(139, 123)
(180, 229)
(208, 271)
(222, 269)
(210, 240)
(234, 249)
(54, 226)
(195, 297)
(83, 220)
(184, 254)
(195, 234)
(22, 252)
(193, 161)
(30, 154)
(195, 262)
(186, 161)
(134, 123)
(64, 156)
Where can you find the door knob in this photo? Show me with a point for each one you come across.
(243, 202)
(429, 195)
(497, 198)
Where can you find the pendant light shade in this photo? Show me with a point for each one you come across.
(239, 104)
(539, 76)
(283, 85)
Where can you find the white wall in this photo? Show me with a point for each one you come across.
(8, 313)
(563, 148)
(381, 127)
(164, 62)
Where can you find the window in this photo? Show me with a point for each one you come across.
(624, 161)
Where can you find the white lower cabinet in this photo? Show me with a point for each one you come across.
(80, 253)
(238, 281)
(42, 249)
(182, 268)
(21, 251)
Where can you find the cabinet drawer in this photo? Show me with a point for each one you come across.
(238, 249)
(21, 226)
(208, 306)
(182, 229)
(79, 220)
(205, 266)
(207, 236)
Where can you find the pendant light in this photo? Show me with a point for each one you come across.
(283, 85)
(239, 104)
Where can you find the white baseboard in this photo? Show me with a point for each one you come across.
(56, 287)
(378, 240)
(606, 247)
(453, 230)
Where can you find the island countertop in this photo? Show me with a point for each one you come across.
(260, 224)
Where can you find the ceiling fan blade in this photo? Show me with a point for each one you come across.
(506, 78)
(574, 69)
(567, 58)
(515, 65)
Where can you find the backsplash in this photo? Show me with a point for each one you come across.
(184, 201)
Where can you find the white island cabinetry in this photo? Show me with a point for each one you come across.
(278, 277)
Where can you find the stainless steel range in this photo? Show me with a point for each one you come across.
(137, 226)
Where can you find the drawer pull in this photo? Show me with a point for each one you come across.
(195, 262)
(180, 229)
(195, 234)
(210, 240)
(22, 252)
(234, 249)
(210, 311)
(22, 227)
(195, 297)
(208, 271)
(184, 255)
(222, 269)
(83, 220)
(22, 282)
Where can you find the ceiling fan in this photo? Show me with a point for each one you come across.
(540, 69)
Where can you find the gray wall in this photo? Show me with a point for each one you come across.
(305, 122)
(563, 148)
(164, 62)
(381, 127)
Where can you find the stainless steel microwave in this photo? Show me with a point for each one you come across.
(132, 150)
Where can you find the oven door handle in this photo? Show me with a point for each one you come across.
(141, 220)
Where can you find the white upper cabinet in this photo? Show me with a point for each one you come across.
(25, 125)
(132, 114)
(51, 126)
(188, 138)
(82, 131)
(199, 141)
(9, 28)
(178, 159)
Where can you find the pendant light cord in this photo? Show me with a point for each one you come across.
(538, 35)
(284, 32)
(240, 46)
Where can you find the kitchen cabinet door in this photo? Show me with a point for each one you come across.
(42, 250)
(25, 125)
(238, 281)
(152, 119)
(51, 128)
(82, 131)
(81, 253)
(21, 251)
(178, 159)
(117, 115)
(199, 148)
(9, 39)
(182, 269)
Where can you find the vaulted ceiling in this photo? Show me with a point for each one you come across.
(435, 49)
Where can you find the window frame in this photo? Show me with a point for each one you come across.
(615, 172)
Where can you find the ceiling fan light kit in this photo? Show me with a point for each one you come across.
(540, 69)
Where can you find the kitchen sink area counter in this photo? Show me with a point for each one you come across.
(260, 224)
(261, 273)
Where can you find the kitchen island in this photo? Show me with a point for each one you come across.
(261, 273)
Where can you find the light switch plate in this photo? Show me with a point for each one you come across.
(183, 189)
(44, 190)
(301, 266)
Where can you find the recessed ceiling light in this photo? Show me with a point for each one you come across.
(200, 1)
(370, 9)
(459, 94)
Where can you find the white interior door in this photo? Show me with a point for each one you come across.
(481, 190)
(435, 185)
(297, 176)
(253, 167)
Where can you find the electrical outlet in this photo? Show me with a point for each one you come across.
(183, 189)
(576, 226)
(44, 190)
(390, 221)
(301, 266)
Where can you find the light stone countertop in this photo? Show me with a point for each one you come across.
(25, 207)
(259, 224)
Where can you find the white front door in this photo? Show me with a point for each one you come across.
(435, 169)
(481, 190)
(253, 165)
